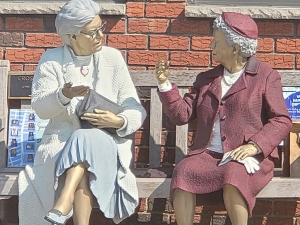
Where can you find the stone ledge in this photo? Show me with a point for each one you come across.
(33, 7)
(254, 11)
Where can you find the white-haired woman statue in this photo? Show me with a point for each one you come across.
(241, 119)
(74, 166)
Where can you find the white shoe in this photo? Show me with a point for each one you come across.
(55, 216)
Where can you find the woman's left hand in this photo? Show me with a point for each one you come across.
(103, 119)
(243, 152)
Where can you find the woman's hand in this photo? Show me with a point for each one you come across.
(244, 151)
(104, 119)
(71, 92)
(162, 71)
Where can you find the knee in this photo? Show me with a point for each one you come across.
(228, 188)
(180, 194)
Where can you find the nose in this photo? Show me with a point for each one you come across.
(99, 34)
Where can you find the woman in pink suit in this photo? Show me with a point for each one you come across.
(242, 118)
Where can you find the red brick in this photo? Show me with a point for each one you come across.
(265, 45)
(189, 58)
(169, 42)
(11, 39)
(141, 154)
(127, 41)
(143, 205)
(145, 57)
(24, 24)
(287, 208)
(30, 67)
(135, 9)
(137, 68)
(23, 55)
(298, 30)
(278, 61)
(142, 138)
(298, 61)
(276, 28)
(147, 25)
(16, 67)
(201, 43)
(263, 207)
(176, 0)
(190, 26)
(288, 45)
(273, 221)
(115, 26)
(43, 40)
(165, 10)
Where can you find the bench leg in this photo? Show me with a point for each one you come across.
(3, 212)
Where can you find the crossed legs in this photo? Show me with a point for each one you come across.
(76, 193)
(184, 206)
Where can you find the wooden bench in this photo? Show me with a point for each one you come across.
(279, 187)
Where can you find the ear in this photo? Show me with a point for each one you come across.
(235, 49)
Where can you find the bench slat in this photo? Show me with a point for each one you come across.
(155, 129)
(186, 78)
(160, 187)
(181, 136)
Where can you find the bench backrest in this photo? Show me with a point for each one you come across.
(183, 79)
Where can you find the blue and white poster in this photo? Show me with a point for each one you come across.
(292, 100)
(25, 134)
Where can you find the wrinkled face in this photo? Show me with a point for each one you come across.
(221, 50)
(90, 38)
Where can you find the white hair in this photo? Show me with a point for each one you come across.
(73, 16)
(247, 45)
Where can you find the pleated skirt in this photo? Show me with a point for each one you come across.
(98, 151)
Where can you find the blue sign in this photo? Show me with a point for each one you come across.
(292, 100)
(25, 134)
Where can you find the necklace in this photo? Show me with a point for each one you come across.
(231, 80)
(84, 70)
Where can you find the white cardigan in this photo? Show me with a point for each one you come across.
(36, 184)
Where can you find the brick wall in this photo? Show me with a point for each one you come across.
(151, 31)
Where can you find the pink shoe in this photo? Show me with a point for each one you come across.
(55, 216)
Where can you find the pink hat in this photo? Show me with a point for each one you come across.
(241, 24)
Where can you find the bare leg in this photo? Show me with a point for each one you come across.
(66, 198)
(236, 205)
(83, 202)
(184, 206)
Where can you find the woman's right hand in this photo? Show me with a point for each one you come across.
(71, 92)
(162, 71)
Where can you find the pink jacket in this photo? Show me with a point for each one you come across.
(252, 110)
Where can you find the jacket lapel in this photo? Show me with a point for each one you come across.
(215, 87)
(241, 84)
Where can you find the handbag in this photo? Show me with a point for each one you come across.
(93, 100)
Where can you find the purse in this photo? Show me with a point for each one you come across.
(93, 100)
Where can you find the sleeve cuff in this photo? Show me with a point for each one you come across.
(63, 99)
(164, 87)
(255, 145)
(124, 124)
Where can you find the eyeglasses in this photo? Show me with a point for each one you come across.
(95, 33)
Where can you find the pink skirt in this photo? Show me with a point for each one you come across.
(200, 174)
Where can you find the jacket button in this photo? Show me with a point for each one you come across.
(222, 102)
(223, 138)
(223, 117)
